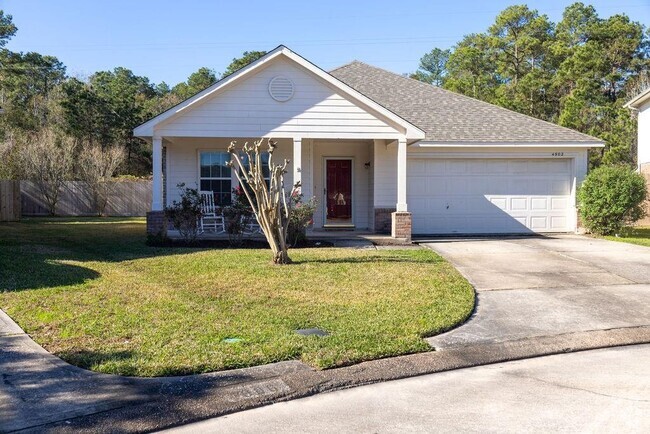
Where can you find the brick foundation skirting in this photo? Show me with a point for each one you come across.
(401, 225)
(157, 223)
(383, 220)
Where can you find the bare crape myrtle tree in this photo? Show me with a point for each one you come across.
(270, 202)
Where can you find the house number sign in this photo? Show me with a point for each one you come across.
(557, 154)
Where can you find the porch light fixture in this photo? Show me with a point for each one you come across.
(367, 165)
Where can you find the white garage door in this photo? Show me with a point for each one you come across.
(466, 196)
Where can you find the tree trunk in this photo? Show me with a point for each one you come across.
(281, 258)
(269, 202)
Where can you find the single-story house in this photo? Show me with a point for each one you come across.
(379, 151)
(641, 104)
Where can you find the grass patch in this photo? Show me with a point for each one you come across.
(635, 235)
(91, 292)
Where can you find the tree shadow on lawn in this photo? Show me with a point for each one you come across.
(38, 273)
(88, 359)
(36, 256)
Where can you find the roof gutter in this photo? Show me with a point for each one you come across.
(431, 144)
(636, 102)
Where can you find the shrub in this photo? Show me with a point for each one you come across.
(610, 198)
(185, 215)
(237, 216)
(302, 214)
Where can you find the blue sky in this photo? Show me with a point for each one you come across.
(167, 40)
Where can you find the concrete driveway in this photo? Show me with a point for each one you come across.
(543, 286)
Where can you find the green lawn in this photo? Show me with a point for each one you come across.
(91, 292)
(638, 235)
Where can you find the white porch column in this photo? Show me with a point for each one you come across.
(156, 203)
(297, 160)
(401, 175)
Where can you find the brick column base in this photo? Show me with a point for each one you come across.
(401, 225)
(383, 220)
(157, 224)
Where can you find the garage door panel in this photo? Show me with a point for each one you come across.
(457, 166)
(559, 203)
(496, 167)
(500, 202)
(559, 187)
(434, 167)
(518, 203)
(558, 223)
(518, 166)
(420, 187)
(418, 167)
(490, 195)
(539, 204)
(477, 167)
(539, 223)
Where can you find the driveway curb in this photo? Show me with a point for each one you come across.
(190, 399)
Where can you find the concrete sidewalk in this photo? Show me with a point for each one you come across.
(605, 390)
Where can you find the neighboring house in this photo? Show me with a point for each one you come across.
(641, 103)
(379, 151)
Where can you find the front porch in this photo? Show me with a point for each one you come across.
(354, 238)
(356, 182)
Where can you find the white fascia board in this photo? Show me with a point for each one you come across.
(484, 145)
(639, 100)
(147, 128)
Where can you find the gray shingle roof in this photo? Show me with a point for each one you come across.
(448, 116)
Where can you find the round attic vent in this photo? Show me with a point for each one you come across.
(281, 89)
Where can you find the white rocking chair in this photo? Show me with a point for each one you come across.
(250, 225)
(211, 220)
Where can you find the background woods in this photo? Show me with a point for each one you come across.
(577, 72)
(96, 113)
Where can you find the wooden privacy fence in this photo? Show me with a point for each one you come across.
(9, 200)
(126, 198)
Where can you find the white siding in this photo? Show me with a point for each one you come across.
(183, 162)
(360, 152)
(247, 110)
(644, 135)
(385, 171)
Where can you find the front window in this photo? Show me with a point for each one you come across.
(216, 177)
(266, 173)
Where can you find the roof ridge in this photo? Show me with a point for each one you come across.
(345, 65)
(431, 87)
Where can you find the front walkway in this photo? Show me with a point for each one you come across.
(547, 286)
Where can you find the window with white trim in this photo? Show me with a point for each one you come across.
(215, 176)
(266, 173)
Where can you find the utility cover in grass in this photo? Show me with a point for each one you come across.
(312, 332)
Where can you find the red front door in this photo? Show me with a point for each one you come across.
(339, 191)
